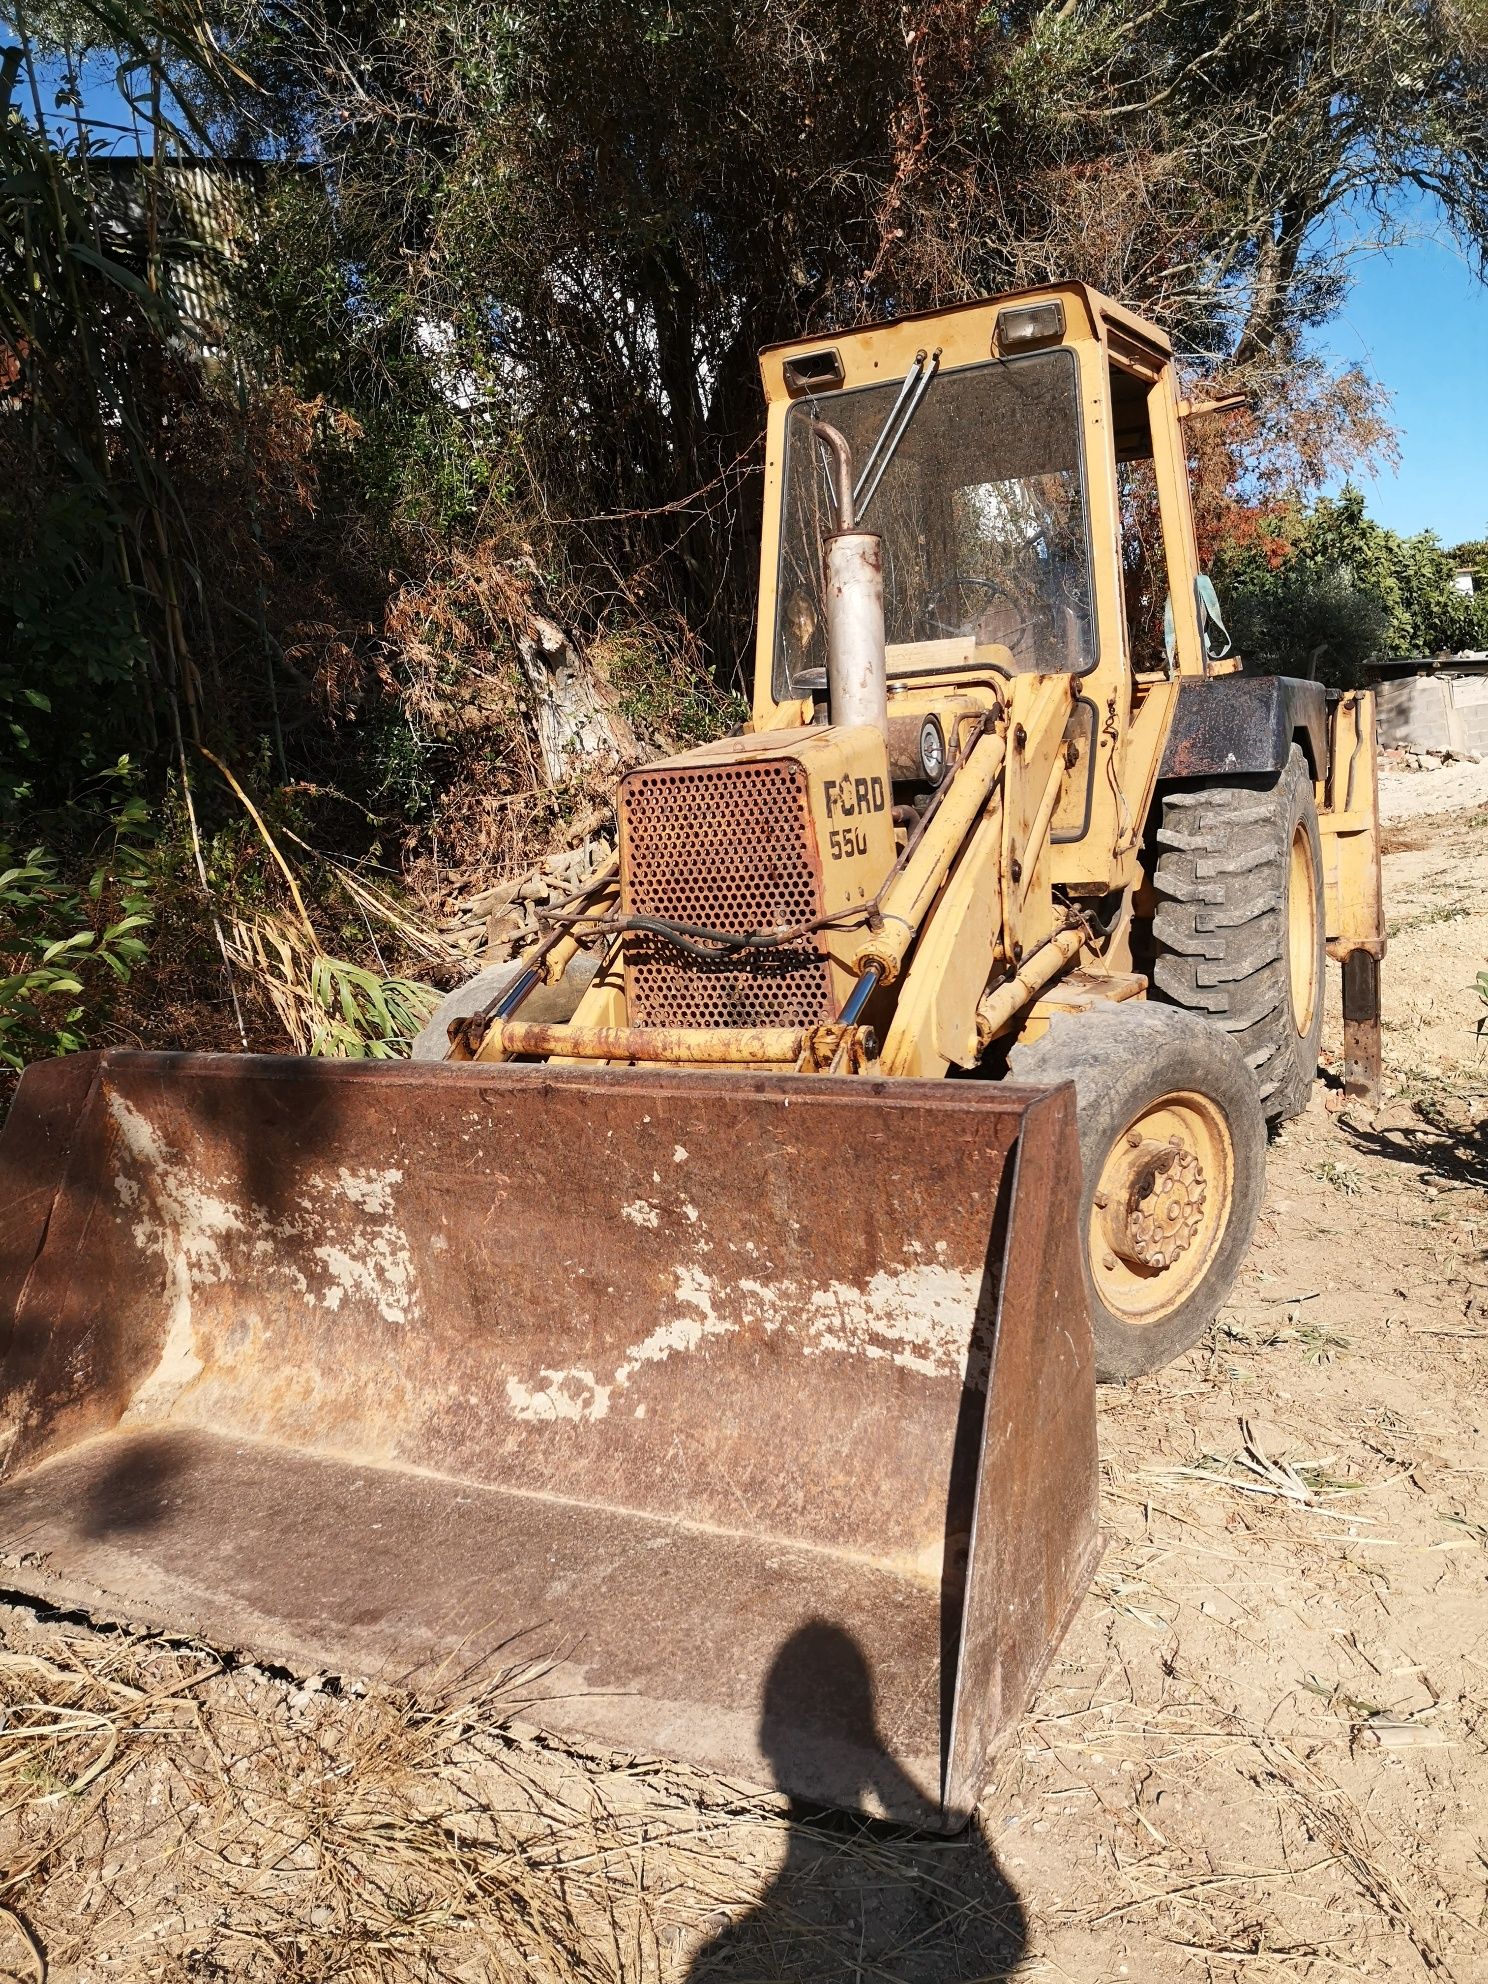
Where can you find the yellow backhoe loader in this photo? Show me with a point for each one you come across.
(717, 1318)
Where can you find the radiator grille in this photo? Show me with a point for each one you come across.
(728, 847)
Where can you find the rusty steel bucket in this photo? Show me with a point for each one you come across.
(753, 1413)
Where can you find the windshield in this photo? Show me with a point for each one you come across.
(981, 511)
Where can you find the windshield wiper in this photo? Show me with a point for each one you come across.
(911, 393)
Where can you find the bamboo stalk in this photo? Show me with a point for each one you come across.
(269, 842)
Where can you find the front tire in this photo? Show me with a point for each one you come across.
(1172, 1164)
(1239, 930)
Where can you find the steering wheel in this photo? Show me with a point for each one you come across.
(1024, 629)
(957, 583)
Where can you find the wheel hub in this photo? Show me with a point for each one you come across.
(1153, 1206)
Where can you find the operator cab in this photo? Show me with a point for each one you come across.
(973, 477)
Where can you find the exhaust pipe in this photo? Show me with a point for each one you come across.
(857, 669)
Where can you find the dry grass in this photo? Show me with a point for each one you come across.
(1306, 1484)
(275, 1831)
(167, 1814)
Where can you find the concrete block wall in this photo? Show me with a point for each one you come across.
(1436, 712)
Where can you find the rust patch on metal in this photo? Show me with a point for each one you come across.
(1363, 1057)
(724, 847)
(681, 1045)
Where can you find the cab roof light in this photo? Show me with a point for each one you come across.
(813, 372)
(1030, 325)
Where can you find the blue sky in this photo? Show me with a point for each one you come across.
(1417, 321)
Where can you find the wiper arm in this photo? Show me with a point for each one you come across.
(911, 393)
(910, 381)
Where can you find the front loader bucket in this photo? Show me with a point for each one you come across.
(755, 1412)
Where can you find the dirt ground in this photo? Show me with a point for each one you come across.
(1259, 1755)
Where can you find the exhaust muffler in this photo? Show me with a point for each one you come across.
(857, 666)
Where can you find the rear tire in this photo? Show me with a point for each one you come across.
(1239, 931)
(1162, 1237)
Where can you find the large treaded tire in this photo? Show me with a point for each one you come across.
(1238, 931)
(1124, 1062)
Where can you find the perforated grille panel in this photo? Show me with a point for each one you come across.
(728, 847)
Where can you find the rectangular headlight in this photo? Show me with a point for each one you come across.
(813, 372)
(1029, 325)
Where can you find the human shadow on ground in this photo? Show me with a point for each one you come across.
(858, 1898)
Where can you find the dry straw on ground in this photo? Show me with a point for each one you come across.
(168, 1814)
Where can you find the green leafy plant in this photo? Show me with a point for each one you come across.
(1329, 590)
(64, 944)
(325, 1004)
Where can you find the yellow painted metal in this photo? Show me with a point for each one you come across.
(1132, 719)
(996, 894)
(1146, 735)
(559, 959)
(1037, 717)
(1000, 1007)
(907, 899)
(935, 1019)
(1349, 821)
(1035, 848)
(850, 807)
(1170, 464)
(1129, 746)
(1132, 715)
(963, 336)
(983, 891)
(1202, 409)
(1303, 910)
(604, 1003)
(1160, 1207)
(602, 888)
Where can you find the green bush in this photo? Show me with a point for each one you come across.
(71, 652)
(1328, 589)
(1313, 620)
(65, 945)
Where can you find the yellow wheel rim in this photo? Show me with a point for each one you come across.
(1302, 923)
(1161, 1206)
